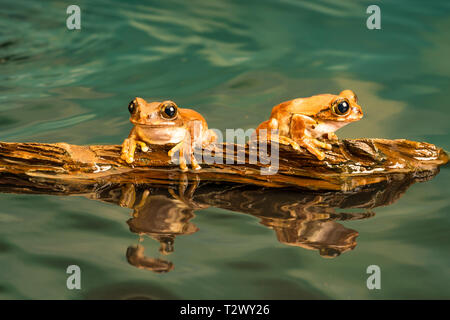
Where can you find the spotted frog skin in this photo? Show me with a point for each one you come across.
(304, 122)
(165, 123)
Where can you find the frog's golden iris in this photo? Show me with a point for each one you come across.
(169, 110)
(341, 107)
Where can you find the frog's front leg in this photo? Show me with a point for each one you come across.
(128, 149)
(331, 136)
(186, 147)
(185, 150)
(182, 161)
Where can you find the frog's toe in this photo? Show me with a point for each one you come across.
(127, 158)
(321, 144)
(320, 155)
(194, 163)
(143, 146)
(196, 166)
(327, 146)
(295, 145)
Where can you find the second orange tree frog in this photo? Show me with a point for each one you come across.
(165, 123)
(304, 122)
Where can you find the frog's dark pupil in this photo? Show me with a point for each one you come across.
(170, 111)
(343, 107)
(131, 107)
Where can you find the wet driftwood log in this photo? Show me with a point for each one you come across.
(62, 168)
(364, 174)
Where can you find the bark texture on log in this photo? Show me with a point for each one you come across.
(349, 165)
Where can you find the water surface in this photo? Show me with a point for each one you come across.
(232, 61)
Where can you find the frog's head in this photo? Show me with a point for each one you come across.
(155, 114)
(341, 108)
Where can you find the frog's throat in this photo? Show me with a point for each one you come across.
(160, 134)
(326, 127)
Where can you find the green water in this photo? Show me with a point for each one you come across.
(232, 61)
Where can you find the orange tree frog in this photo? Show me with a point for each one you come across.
(303, 121)
(165, 123)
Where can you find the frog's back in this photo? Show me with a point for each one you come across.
(192, 115)
(306, 106)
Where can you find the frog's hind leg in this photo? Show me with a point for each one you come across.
(268, 131)
(299, 133)
(210, 137)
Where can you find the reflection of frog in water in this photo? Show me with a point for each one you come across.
(165, 123)
(328, 237)
(161, 217)
(302, 122)
(313, 227)
(302, 219)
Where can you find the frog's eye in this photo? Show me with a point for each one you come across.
(341, 107)
(132, 107)
(169, 110)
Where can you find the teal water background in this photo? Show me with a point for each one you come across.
(232, 61)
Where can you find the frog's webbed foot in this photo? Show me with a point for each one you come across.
(321, 144)
(128, 149)
(185, 150)
(310, 144)
(288, 141)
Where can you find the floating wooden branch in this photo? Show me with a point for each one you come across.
(64, 168)
(364, 173)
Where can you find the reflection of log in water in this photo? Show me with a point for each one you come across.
(307, 219)
(164, 201)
